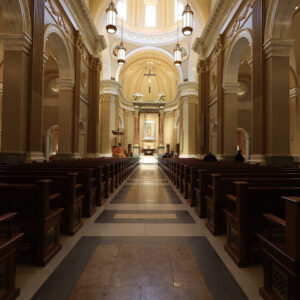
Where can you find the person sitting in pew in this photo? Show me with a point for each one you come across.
(239, 157)
(210, 157)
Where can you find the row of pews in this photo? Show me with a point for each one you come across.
(40, 201)
(257, 207)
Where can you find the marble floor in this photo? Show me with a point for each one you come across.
(145, 242)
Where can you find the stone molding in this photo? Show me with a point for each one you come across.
(65, 84)
(278, 48)
(110, 87)
(230, 88)
(16, 42)
(294, 92)
(1, 87)
(190, 99)
(223, 11)
(108, 98)
(81, 19)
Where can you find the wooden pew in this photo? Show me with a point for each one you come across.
(66, 185)
(223, 184)
(38, 217)
(8, 247)
(244, 217)
(281, 253)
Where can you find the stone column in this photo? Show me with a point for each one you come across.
(230, 120)
(35, 104)
(109, 102)
(65, 120)
(136, 146)
(277, 116)
(189, 98)
(258, 73)
(94, 102)
(220, 101)
(296, 94)
(161, 147)
(78, 44)
(202, 111)
(17, 49)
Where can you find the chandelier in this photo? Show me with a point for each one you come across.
(187, 20)
(111, 18)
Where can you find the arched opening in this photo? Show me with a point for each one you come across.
(237, 91)
(58, 90)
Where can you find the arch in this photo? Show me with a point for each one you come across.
(149, 48)
(279, 19)
(16, 16)
(62, 49)
(235, 53)
(247, 137)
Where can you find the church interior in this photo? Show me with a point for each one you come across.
(149, 149)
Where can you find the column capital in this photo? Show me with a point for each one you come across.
(16, 42)
(278, 48)
(230, 87)
(65, 84)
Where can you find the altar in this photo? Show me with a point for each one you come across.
(147, 151)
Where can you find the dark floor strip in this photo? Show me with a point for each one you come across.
(220, 282)
(182, 216)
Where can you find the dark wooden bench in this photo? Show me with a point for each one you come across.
(8, 247)
(66, 185)
(244, 217)
(38, 217)
(281, 253)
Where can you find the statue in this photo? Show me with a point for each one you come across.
(161, 97)
(138, 97)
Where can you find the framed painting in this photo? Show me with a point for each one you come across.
(149, 131)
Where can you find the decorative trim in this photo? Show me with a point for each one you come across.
(58, 16)
(34, 156)
(16, 42)
(108, 98)
(230, 88)
(1, 87)
(190, 99)
(278, 48)
(65, 84)
(294, 92)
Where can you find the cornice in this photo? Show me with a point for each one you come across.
(222, 13)
(17, 42)
(81, 19)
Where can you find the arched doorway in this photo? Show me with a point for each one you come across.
(237, 90)
(58, 89)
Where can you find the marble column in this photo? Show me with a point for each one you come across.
(109, 108)
(17, 49)
(258, 73)
(202, 111)
(220, 100)
(230, 120)
(94, 102)
(65, 120)
(161, 147)
(277, 104)
(35, 104)
(78, 43)
(136, 146)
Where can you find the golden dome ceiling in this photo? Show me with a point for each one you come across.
(134, 80)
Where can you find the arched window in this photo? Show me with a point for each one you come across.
(150, 15)
(178, 10)
(122, 9)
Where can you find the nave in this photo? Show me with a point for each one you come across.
(144, 243)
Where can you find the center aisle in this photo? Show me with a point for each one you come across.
(145, 244)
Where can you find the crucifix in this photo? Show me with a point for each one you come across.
(149, 74)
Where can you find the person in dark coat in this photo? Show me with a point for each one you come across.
(209, 157)
(239, 157)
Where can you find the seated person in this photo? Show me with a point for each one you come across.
(210, 157)
(239, 157)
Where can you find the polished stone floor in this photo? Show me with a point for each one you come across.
(144, 243)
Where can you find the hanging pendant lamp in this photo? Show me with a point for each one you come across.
(187, 20)
(111, 18)
(122, 49)
(177, 50)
